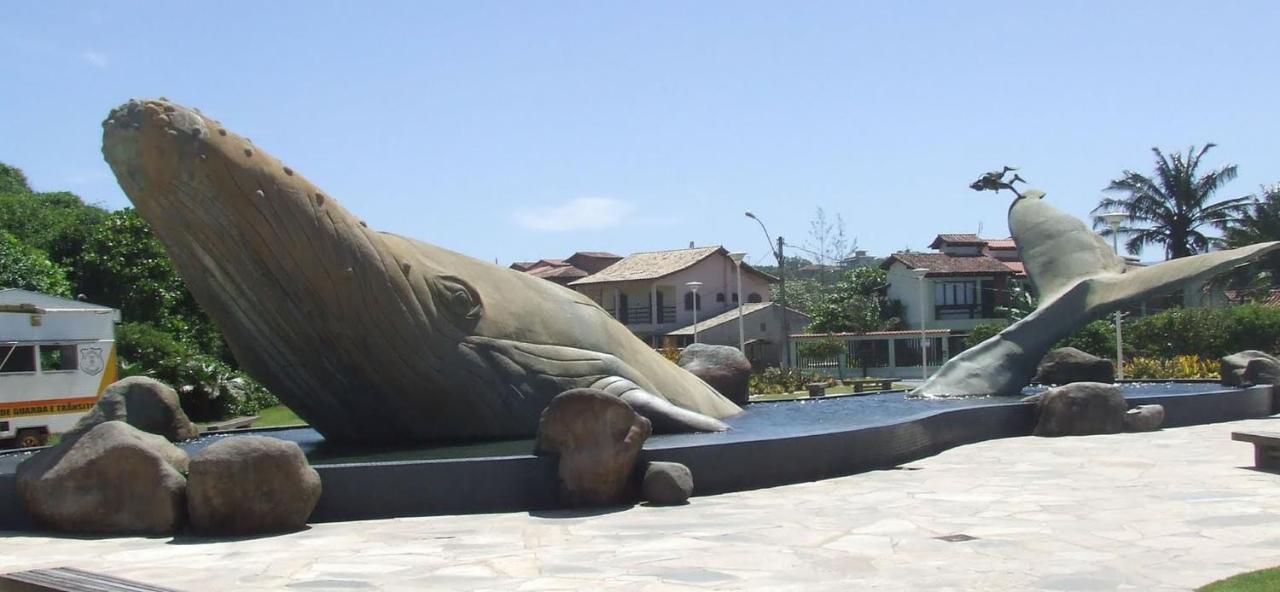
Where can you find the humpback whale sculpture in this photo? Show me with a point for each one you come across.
(1078, 277)
(372, 336)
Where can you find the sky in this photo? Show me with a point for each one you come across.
(525, 130)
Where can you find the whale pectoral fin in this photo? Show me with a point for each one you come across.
(1141, 282)
(665, 416)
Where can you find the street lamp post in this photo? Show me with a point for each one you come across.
(924, 343)
(782, 290)
(737, 263)
(1114, 220)
(694, 286)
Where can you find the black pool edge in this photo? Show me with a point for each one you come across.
(364, 491)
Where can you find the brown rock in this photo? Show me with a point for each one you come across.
(144, 403)
(667, 483)
(1080, 409)
(1144, 418)
(723, 367)
(1235, 366)
(597, 438)
(110, 479)
(251, 485)
(1067, 365)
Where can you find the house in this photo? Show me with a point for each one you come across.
(56, 356)
(761, 331)
(649, 292)
(964, 282)
(564, 271)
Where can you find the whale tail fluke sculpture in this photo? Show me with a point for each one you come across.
(1079, 278)
(366, 335)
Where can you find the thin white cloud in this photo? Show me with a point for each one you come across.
(584, 213)
(95, 58)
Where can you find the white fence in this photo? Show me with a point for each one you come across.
(887, 354)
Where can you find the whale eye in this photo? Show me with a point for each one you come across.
(458, 297)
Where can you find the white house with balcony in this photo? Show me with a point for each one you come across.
(649, 292)
(963, 283)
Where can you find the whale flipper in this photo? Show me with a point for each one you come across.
(665, 417)
(1079, 279)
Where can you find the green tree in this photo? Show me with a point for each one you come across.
(56, 223)
(125, 267)
(13, 180)
(26, 267)
(1260, 222)
(855, 304)
(1173, 207)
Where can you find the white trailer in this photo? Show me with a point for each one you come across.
(56, 357)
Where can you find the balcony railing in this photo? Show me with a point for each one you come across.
(957, 311)
(642, 315)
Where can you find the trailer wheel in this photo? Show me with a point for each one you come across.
(31, 437)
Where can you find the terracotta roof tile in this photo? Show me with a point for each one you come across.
(649, 265)
(938, 263)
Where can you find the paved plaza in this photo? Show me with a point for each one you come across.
(1163, 511)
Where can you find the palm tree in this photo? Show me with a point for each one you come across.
(1260, 221)
(1171, 208)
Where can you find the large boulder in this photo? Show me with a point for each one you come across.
(250, 485)
(723, 367)
(667, 483)
(110, 479)
(1079, 409)
(1066, 365)
(597, 438)
(1235, 368)
(144, 403)
(1144, 418)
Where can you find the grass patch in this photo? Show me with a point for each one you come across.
(278, 415)
(1263, 580)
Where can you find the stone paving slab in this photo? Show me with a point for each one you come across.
(1170, 510)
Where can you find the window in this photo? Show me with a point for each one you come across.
(754, 297)
(58, 358)
(720, 297)
(956, 299)
(735, 297)
(762, 327)
(17, 358)
(689, 300)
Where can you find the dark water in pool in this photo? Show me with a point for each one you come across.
(758, 421)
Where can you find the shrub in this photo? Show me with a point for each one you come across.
(208, 388)
(1179, 367)
(982, 333)
(1097, 338)
(775, 380)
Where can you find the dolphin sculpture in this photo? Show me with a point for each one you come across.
(1078, 277)
(370, 336)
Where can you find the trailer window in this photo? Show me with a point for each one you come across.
(56, 358)
(17, 358)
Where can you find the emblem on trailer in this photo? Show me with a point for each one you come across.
(91, 360)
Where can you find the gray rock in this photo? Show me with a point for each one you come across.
(144, 403)
(723, 367)
(1080, 409)
(667, 483)
(1144, 418)
(1066, 365)
(110, 479)
(597, 438)
(251, 485)
(1262, 371)
(1233, 368)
